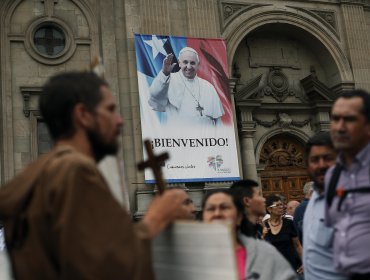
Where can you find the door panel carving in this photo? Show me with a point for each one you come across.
(285, 169)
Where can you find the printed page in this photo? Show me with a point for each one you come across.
(193, 251)
(5, 271)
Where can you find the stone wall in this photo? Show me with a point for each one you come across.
(327, 38)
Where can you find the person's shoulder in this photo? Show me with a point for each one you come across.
(173, 76)
(287, 218)
(300, 209)
(67, 153)
(55, 160)
(262, 247)
(330, 170)
(205, 82)
(288, 221)
(256, 243)
(67, 158)
(328, 175)
(266, 255)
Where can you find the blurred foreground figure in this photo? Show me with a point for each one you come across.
(256, 259)
(348, 184)
(60, 218)
(317, 237)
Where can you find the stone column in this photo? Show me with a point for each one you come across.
(232, 85)
(357, 39)
(322, 121)
(322, 117)
(247, 130)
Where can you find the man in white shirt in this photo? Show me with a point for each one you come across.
(184, 96)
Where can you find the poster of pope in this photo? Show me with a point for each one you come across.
(185, 107)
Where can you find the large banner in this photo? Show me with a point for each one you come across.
(185, 107)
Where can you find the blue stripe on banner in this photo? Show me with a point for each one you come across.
(152, 49)
(144, 56)
(177, 43)
(225, 179)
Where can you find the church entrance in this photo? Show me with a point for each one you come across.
(284, 167)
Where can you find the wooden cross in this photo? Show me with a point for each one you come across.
(154, 162)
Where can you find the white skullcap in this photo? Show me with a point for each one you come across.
(188, 49)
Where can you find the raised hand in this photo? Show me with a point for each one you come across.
(167, 65)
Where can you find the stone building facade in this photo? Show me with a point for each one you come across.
(287, 59)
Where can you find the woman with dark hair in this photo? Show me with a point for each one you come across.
(282, 234)
(255, 259)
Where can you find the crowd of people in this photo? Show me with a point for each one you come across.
(62, 222)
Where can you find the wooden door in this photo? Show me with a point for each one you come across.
(285, 169)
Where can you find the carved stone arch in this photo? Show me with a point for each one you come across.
(8, 10)
(236, 31)
(92, 22)
(293, 132)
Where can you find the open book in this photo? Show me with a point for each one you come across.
(195, 251)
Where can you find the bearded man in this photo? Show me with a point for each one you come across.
(61, 220)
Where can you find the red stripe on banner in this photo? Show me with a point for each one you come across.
(213, 68)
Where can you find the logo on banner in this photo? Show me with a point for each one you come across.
(215, 162)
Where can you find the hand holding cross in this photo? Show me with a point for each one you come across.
(166, 208)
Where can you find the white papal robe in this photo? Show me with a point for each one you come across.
(190, 101)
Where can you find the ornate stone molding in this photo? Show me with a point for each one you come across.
(283, 120)
(367, 5)
(30, 97)
(316, 91)
(356, 2)
(266, 124)
(272, 83)
(339, 88)
(326, 17)
(247, 128)
(280, 153)
(229, 10)
(290, 15)
(49, 6)
(301, 123)
(277, 85)
(232, 84)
